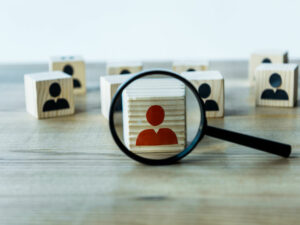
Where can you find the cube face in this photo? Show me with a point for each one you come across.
(118, 68)
(189, 66)
(75, 67)
(49, 94)
(140, 102)
(276, 85)
(258, 58)
(108, 88)
(210, 86)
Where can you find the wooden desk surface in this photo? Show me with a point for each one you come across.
(69, 171)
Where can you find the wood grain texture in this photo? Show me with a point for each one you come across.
(272, 56)
(37, 93)
(289, 84)
(78, 68)
(68, 170)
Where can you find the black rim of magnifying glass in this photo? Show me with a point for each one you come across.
(172, 159)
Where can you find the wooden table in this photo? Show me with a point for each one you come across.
(68, 170)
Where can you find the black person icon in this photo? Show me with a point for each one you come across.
(204, 92)
(275, 81)
(60, 103)
(125, 71)
(68, 69)
(266, 60)
(190, 70)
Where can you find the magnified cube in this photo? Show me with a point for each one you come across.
(154, 115)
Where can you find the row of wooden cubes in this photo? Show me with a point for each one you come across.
(74, 67)
(39, 88)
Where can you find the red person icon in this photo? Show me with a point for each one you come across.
(155, 116)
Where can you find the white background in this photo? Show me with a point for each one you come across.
(32, 30)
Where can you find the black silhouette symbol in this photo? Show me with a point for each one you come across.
(279, 94)
(266, 60)
(61, 103)
(68, 69)
(125, 71)
(204, 92)
(190, 70)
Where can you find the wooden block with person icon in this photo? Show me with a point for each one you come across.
(117, 68)
(276, 85)
(73, 66)
(49, 94)
(108, 88)
(189, 66)
(154, 118)
(210, 86)
(266, 57)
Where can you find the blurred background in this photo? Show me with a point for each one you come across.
(33, 30)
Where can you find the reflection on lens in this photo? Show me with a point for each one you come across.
(154, 117)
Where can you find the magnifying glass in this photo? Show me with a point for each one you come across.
(157, 117)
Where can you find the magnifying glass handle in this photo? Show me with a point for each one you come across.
(272, 147)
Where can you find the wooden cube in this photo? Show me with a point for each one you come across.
(154, 115)
(210, 86)
(276, 85)
(267, 56)
(189, 66)
(74, 66)
(108, 88)
(116, 68)
(49, 94)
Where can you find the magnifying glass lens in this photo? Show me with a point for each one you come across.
(157, 117)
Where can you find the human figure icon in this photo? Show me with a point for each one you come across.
(57, 104)
(68, 69)
(155, 116)
(191, 70)
(275, 81)
(266, 60)
(125, 71)
(204, 92)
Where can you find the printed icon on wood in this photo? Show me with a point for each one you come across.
(276, 85)
(204, 92)
(154, 115)
(278, 94)
(49, 94)
(58, 104)
(164, 136)
(210, 86)
(68, 69)
(73, 66)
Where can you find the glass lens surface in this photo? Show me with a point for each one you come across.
(157, 117)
